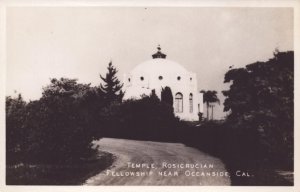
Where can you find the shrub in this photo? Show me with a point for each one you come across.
(147, 118)
(58, 128)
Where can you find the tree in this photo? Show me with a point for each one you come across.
(261, 99)
(167, 96)
(15, 118)
(153, 97)
(59, 125)
(209, 97)
(112, 87)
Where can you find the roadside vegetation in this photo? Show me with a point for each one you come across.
(56, 132)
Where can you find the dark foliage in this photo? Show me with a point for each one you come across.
(167, 96)
(236, 149)
(145, 119)
(15, 118)
(261, 103)
(50, 174)
(112, 88)
(58, 128)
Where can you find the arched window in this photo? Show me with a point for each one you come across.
(191, 102)
(178, 103)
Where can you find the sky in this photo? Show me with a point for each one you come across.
(79, 42)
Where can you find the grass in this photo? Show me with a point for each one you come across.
(74, 174)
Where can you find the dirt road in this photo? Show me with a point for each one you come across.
(156, 163)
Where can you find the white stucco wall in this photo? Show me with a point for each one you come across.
(151, 70)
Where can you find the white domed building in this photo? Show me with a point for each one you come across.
(158, 73)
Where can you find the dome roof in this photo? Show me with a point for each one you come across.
(159, 65)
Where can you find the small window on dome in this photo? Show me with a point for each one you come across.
(128, 79)
(160, 77)
(142, 78)
(178, 78)
(191, 78)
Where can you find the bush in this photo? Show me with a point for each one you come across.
(147, 118)
(239, 150)
(58, 128)
(57, 132)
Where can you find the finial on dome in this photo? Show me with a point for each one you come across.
(159, 54)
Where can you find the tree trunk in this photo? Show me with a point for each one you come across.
(212, 112)
(207, 113)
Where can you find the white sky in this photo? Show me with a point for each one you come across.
(44, 42)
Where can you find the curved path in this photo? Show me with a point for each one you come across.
(156, 163)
